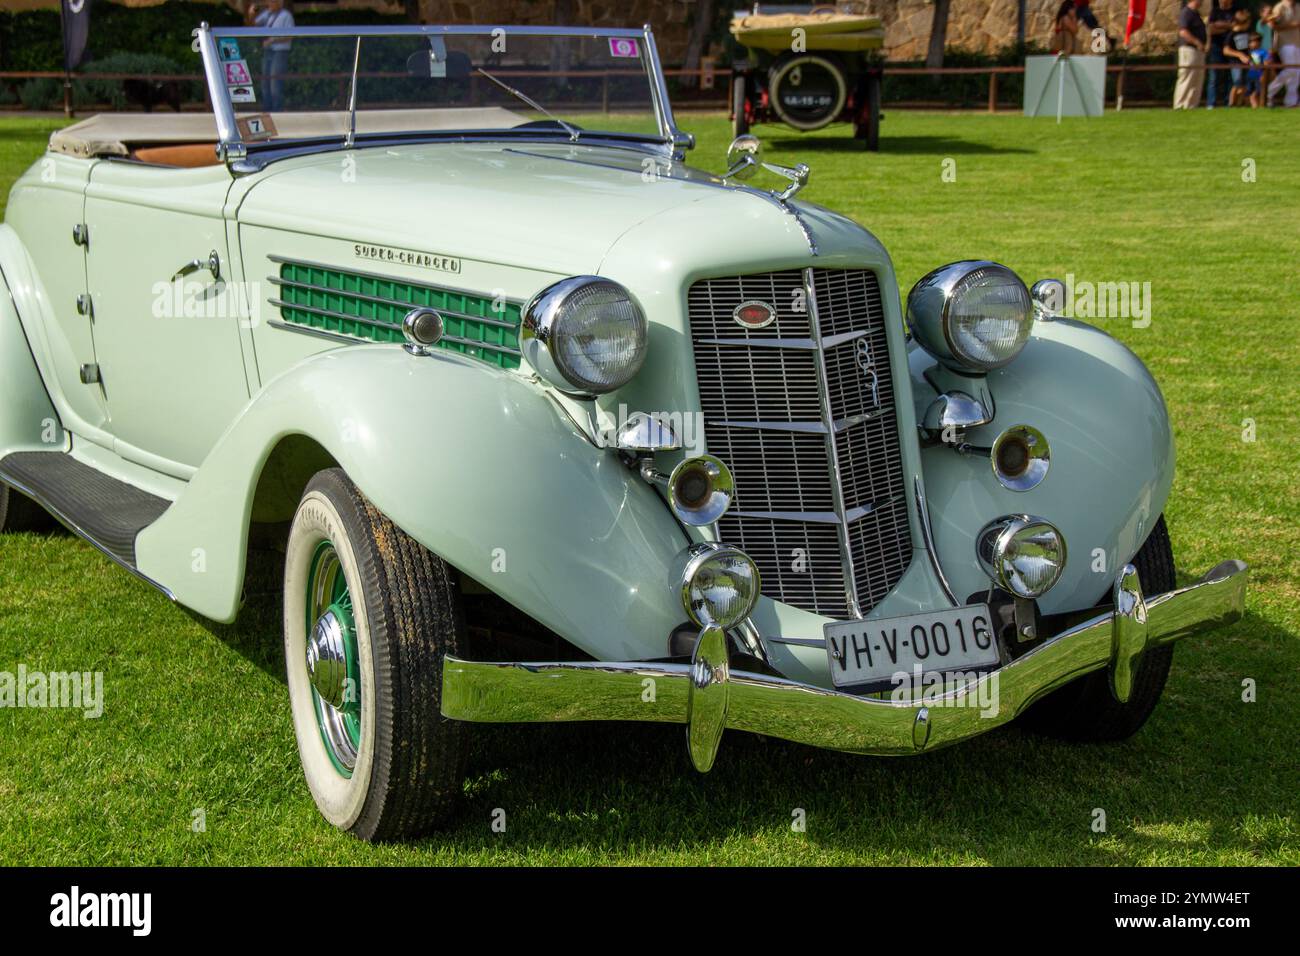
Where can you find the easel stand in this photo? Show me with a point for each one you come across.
(1060, 68)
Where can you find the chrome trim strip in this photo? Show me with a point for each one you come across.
(72, 526)
(812, 428)
(853, 421)
(806, 345)
(379, 300)
(820, 517)
(832, 451)
(807, 517)
(342, 337)
(515, 692)
(837, 340)
(439, 287)
(800, 641)
(374, 323)
(927, 534)
(816, 428)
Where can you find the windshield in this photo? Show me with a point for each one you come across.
(270, 87)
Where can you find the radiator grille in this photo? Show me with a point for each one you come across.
(803, 413)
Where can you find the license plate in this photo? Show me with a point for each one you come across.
(877, 655)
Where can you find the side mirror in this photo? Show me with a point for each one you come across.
(744, 157)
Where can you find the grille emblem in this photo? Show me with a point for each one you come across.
(867, 365)
(754, 314)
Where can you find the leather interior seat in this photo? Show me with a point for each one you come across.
(185, 155)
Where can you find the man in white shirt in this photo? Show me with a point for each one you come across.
(1285, 21)
(275, 50)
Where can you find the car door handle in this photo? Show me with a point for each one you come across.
(212, 263)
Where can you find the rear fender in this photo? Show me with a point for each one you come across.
(28, 421)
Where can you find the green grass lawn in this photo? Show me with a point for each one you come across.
(196, 715)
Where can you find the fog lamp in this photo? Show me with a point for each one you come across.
(719, 584)
(1021, 554)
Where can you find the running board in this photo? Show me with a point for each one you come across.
(105, 511)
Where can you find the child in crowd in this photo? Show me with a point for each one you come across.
(1255, 75)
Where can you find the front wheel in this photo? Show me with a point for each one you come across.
(1086, 710)
(368, 615)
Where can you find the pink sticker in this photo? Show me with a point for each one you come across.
(625, 47)
(237, 73)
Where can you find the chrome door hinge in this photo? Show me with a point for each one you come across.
(85, 306)
(89, 374)
(81, 234)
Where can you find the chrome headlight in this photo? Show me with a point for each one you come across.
(1021, 554)
(972, 316)
(719, 584)
(585, 335)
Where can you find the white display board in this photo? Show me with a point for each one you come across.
(1065, 85)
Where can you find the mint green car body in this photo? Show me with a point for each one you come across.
(223, 417)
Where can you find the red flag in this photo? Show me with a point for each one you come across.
(1137, 15)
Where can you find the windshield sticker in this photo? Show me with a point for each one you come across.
(237, 73)
(407, 257)
(624, 47)
(256, 127)
(229, 48)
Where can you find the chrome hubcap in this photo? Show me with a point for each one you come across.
(327, 665)
(333, 662)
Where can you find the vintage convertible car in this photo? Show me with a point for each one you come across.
(548, 425)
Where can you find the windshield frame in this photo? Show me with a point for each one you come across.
(234, 151)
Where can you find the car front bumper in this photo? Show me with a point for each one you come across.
(708, 697)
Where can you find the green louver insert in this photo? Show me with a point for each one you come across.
(370, 308)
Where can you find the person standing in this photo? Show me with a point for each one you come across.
(1285, 21)
(275, 50)
(1218, 25)
(1237, 50)
(1065, 32)
(1191, 57)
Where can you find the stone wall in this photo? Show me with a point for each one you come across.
(987, 27)
(982, 26)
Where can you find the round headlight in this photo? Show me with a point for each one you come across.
(971, 316)
(719, 584)
(1021, 554)
(585, 335)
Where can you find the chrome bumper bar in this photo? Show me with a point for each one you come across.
(707, 697)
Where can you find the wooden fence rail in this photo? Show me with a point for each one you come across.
(707, 78)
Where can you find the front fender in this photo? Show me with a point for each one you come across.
(1112, 461)
(475, 463)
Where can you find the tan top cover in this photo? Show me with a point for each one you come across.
(824, 31)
